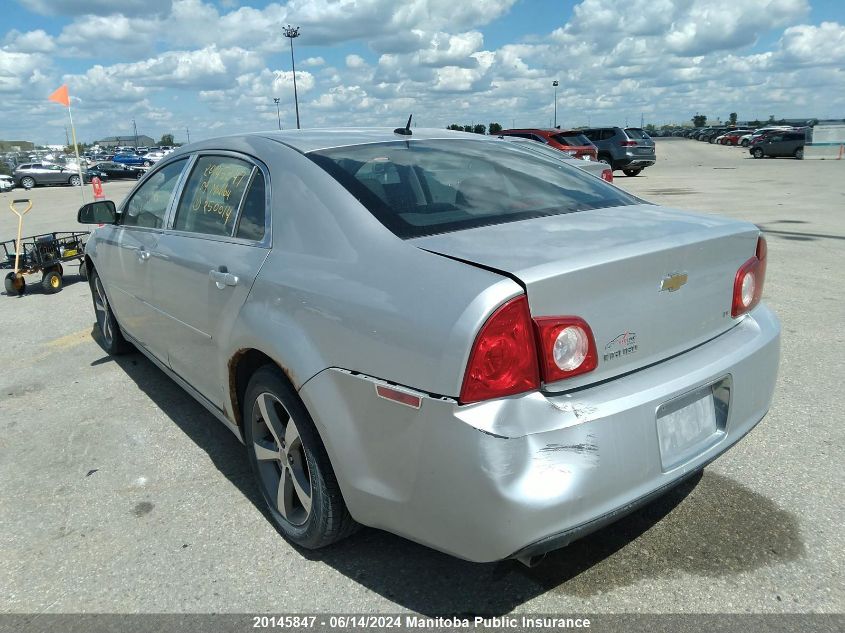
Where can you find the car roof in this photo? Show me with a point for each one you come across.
(316, 139)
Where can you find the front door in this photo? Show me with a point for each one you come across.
(130, 253)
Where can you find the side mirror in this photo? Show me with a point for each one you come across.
(100, 212)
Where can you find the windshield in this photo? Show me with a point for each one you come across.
(572, 138)
(418, 188)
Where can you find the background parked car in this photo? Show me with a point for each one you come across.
(31, 175)
(732, 137)
(600, 170)
(117, 171)
(571, 142)
(132, 159)
(629, 149)
(7, 183)
(786, 143)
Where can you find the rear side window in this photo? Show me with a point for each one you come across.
(572, 139)
(636, 133)
(212, 196)
(418, 188)
(253, 215)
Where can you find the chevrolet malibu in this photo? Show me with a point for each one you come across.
(441, 335)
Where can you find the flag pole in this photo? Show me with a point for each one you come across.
(76, 151)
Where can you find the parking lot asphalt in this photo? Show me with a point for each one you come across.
(121, 494)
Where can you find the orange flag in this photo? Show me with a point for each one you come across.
(61, 96)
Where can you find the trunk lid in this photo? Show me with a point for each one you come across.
(644, 143)
(614, 268)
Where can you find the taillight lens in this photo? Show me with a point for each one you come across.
(503, 361)
(748, 283)
(567, 347)
(628, 143)
(607, 175)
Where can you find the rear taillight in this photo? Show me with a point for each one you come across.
(503, 360)
(566, 347)
(748, 284)
(628, 143)
(607, 175)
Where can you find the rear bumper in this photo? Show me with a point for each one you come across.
(526, 474)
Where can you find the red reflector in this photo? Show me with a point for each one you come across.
(607, 175)
(401, 397)
(628, 143)
(503, 360)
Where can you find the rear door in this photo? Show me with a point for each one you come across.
(217, 239)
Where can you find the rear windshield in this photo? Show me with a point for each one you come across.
(635, 132)
(572, 139)
(418, 188)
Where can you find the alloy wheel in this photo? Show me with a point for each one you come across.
(101, 307)
(282, 462)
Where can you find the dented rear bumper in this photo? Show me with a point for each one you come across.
(522, 475)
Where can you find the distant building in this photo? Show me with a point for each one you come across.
(16, 146)
(124, 141)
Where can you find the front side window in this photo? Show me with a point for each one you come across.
(148, 205)
(212, 196)
(420, 188)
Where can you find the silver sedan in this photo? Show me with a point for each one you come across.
(438, 334)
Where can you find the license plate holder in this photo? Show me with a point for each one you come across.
(690, 424)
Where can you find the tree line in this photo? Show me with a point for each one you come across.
(477, 128)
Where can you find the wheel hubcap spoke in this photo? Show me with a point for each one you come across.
(301, 485)
(266, 404)
(264, 451)
(284, 496)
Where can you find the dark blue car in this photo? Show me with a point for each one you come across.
(132, 159)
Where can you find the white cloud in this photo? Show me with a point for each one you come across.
(37, 41)
(313, 62)
(355, 61)
(96, 7)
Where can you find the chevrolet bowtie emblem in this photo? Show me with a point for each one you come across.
(673, 282)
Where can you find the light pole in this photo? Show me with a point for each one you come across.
(278, 113)
(135, 129)
(292, 33)
(555, 85)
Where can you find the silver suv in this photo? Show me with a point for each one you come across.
(33, 174)
(629, 149)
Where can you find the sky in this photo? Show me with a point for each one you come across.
(213, 67)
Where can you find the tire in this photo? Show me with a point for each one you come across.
(111, 338)
(285, 451)
(631, 172)
(83, 270)
(147, 163)
(14, 284)
(27, 182)
(757, 152)
(52, 281)
(74, 181)
(799, 153)
(744, 143)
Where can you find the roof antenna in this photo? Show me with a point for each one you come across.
(404, 131)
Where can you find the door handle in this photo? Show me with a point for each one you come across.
(222, 278)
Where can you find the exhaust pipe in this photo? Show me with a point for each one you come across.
(531, 561)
